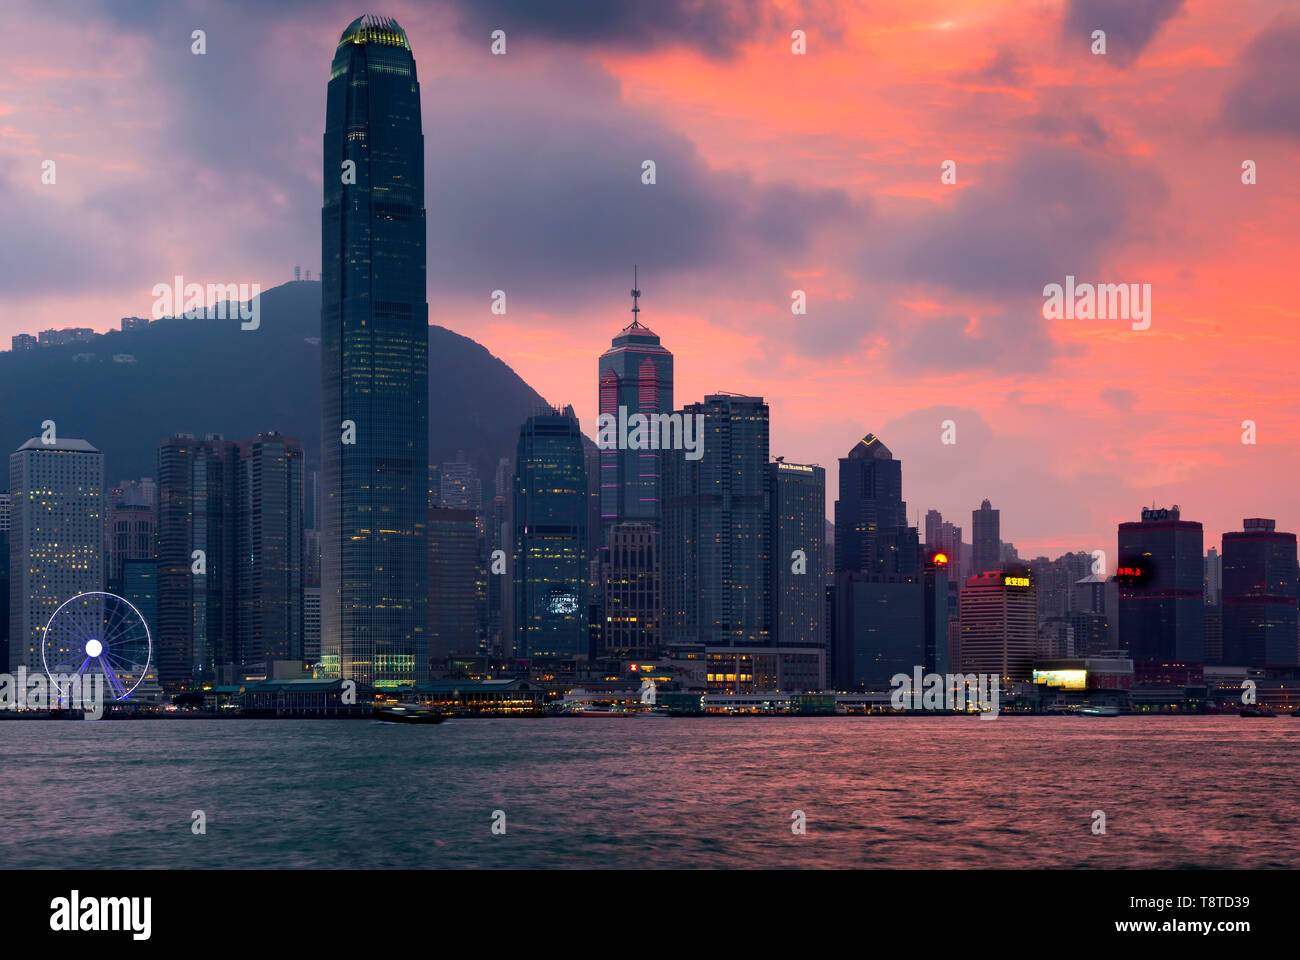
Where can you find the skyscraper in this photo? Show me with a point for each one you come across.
(130, 537)
(269, 572)
(5, 509)
(196, 541)
(374, 362)
(717, 528)
(871, 531)
(635, 375)
(797, 498)
(55, 537)
(459, 485)
(633, 601)
(1259, 596)
(999, 624)
(453, 569)
(986, 542)
(549, 519)
(879, 616)
(1162, 595)
(1213, 577)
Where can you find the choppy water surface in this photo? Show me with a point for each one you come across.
(1212, 792)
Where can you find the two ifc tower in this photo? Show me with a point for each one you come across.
(375, 369)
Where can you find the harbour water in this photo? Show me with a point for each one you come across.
(1016, 792)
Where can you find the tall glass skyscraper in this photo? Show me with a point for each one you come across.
(1161, 594)
(636, 374)
(797, 499)
(550, 545)
(269, 544)
(717, 529)
(986, 534)
(374, 363)
(1259, 596)
(871, 531)
(197, 506)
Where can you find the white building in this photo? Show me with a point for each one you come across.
(55, 537)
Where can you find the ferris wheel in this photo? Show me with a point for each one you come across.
(97, 633)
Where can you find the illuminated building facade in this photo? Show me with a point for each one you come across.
(1259, 596)
(550, 567)
(374, 363)
(633, 595)
(999, 624)
(1161, 593)
(55, 537)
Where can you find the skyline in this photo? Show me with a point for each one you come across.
(1151, 407)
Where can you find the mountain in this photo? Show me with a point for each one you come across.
(209, 376)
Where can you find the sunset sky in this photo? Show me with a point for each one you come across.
(775, 172)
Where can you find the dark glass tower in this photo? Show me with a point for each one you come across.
(797, 498)
(1259, 596)
(1161, 595)
(717, 529)
(269, 568)
(197, 505)
(374, 363)
(986, 538)
(550, 546)
(871, 531)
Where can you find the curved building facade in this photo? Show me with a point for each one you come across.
(374, 363)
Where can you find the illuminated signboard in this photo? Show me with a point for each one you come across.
(1134, 571)
(1065, 679)
(1015, 581)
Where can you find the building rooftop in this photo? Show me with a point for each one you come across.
(870, 446)
(374, 29)
(65, 444)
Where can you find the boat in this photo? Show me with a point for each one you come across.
(601, 710)
(399, 713)
(1257, 712)
(1103, 710)
(654, 714)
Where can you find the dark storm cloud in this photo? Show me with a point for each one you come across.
(714, 27)
(1053, 210)
(1129, 24)
(546, 194)
(1266, 95)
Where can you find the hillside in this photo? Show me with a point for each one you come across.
(209, 376)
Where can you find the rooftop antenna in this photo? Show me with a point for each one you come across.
(635, 295)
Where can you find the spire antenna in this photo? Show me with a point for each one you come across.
(636, 309)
